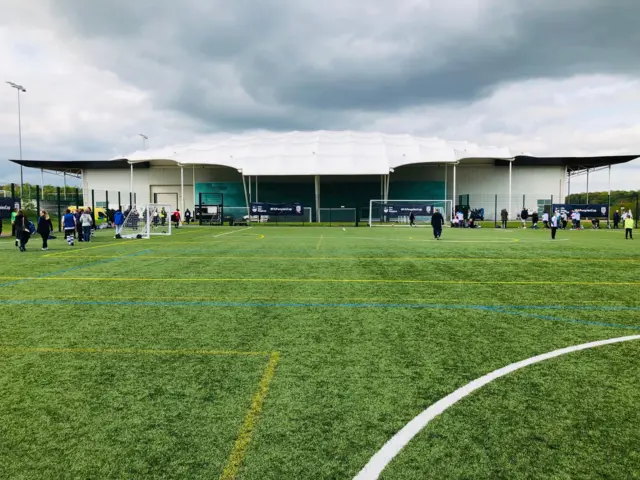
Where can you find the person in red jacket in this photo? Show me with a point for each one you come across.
(176, 217)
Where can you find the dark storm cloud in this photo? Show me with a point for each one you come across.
(289, 64)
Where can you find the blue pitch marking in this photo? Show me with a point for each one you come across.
(71, 269)
(509, 310)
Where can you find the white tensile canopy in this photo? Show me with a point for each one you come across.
(318, 153)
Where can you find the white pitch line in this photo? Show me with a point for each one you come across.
(234, 231)
(381, 459)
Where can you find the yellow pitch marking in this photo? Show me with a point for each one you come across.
(234, 462)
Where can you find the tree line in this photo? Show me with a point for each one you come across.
(619, 198)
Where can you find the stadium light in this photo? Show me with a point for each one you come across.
(19, 88)
(144, 141)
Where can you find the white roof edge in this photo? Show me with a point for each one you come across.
(319, 153)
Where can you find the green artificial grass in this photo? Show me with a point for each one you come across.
(372, 326)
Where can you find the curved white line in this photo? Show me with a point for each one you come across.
(381, 459)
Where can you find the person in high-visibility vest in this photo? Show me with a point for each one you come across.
(628, 227)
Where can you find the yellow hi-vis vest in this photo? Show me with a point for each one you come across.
(628, 223)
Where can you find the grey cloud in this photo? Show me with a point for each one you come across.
(307, 65)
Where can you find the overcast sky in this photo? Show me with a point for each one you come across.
(543, 77)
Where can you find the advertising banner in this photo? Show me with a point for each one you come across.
(419, 210)
(276, 209)
(586, 211)
(7, 205)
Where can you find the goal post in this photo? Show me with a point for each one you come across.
(338, 216)
(397, 212)
(143, 221)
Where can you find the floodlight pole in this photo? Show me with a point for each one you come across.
(19, 88)
(144, 141)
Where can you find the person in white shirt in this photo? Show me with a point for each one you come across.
(577, 220)
(545, 219)
(87, 222)
(555, 220)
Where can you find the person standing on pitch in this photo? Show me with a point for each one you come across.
(412, 220)
(437, 220)
(14, 214)
(555, 220)
(616, 220)
(504, 215)
(69, 226)
(44, 229)
(86, 221)
(628, 227)
(523, 216)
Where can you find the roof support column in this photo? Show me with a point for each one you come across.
(453, 204)
(609, 200)
(246, 198)
(510, 184)
(386, 190)
(250, 197)
(446, 173)
(587, 186)
(317, 192)
(256, 188)
(194, 190)
(181, 191)
(131, 187)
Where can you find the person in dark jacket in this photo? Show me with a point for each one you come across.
(44, 229)
(187, 216)
(534, 220)
(437, 221)
(504, 216)
(412, 220)
(616, 220)
(524, 215)
(22, 230)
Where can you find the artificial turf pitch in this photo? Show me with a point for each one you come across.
(296, 353)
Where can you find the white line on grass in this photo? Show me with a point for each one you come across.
(234, 231)
(381, 459)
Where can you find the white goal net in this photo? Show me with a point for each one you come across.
(142, 221)
(398, 212)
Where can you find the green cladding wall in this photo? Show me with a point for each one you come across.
(332, 194)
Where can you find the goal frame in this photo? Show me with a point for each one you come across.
(144, 227)
(447, 214)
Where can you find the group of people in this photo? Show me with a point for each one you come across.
(78, 224)
(22, 228)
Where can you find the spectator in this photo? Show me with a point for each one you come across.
(555, 221)
(628, 227)
(22, 230)
(616, 220)
(86, 222)
(524, 215)
(564, 219)
(504, 215)
(534, 220)
(14, 213)
(187, 216)
(118, 221)
(176, 217)
(69, 226)
(545, 220)
(437, 220)
(44, 229)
